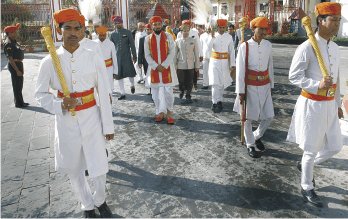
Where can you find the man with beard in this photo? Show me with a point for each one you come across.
(206, 57)
(141, 33)
(257, 53)
(79, 140)
(221, 69)
(141, 54)
(161, 76)
(109, 54)
(187, 61)
(124, 43)
(315, 123)
(15, 54)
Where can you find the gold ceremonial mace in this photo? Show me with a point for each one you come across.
(306, 21)
(47, 34)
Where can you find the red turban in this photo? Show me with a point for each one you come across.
(221, 22)
(328, 8)
(259, 22)
(102, 30)
(11, 29)
(186, 22)
(66, 15)
(148, 26)
(155, 19)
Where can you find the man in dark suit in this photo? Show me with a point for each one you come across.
(124, 43)
(141, 54)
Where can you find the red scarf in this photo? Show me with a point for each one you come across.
(166, 76)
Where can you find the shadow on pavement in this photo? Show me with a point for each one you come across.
(238, 196)
(37, 109)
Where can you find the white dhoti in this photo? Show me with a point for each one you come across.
(309, 159)
(163, 98)
(217, 92)
(139, 71)
(205, 64)
(83, 192)
(250, 136)
(110, 71)
(121, 85)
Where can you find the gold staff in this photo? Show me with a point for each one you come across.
(47, 34)
(306, 21)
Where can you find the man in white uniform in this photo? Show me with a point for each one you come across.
(79, 139)
(161, 76)
(206, 57)
(220, 71)
(260, 80)
(109, 54)
(90, 44)
(141, 33)
(315, 122)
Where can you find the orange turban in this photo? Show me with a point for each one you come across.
(167, 20)
(155, 19)
(328, 8)
(186, 22)
(221, 22)
(11, 29)
(259, 22)
(102, 30)
(69, 14)
(148, 26)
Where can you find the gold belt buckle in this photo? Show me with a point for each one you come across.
(260, 78)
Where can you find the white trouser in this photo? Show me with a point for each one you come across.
(111, 77)
(83, 192)
(121, 85)
(205, 64)
(250, 136)
(309, 159)
(163, 98)
(216, 93)
(139, 71)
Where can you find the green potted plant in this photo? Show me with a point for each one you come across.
(30, 43)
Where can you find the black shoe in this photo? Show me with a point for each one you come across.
(105, 211)
(181, 95)
(122, 97)
(26, 104)
(86, 173)
(21, 106)
(299, 167)
(312, 197)
(205, 87)
(213, 107)
(252, 153)
(139, 82)
(133, 90)
(89, 214)
(149, 93)
(260, 145)
(189, 100)
(220, 105)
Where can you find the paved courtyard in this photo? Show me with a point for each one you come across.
(195, 168)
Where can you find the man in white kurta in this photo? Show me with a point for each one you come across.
(162, 93)
(92, 45)
(315, 122)
(206, 57)
(140, 33)
(109, 55)
(259, 104)
(79, 139)
(220, 70)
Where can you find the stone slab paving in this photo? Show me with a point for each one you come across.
(195, 168)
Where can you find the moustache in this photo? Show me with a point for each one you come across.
(72, 38)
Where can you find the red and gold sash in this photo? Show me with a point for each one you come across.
(166, 75)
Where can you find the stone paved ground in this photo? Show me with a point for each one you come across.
(195, 168)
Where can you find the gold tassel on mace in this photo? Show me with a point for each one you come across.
(306, 21)
(47, 34)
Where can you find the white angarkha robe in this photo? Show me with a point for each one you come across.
(219, 69)
(79, 139)
(259, 100)
(109, 52)
(315, 123)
